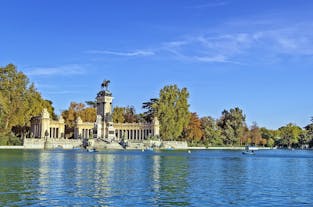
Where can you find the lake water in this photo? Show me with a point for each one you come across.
(165, 178)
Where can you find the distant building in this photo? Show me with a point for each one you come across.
(43, 126)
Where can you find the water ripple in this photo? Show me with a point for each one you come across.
(165, 178)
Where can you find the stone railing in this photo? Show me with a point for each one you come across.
(51, 143)
(175, 144)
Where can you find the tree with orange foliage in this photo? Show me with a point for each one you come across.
(193, 132)
(76, 110)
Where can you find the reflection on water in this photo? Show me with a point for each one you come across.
(172, 178)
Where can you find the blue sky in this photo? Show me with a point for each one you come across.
(257, 55)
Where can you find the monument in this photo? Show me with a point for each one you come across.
(103, 128)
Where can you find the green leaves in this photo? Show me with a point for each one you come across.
(232, 124)
(290, 134)
(118, 115)
(173, 111)
(19, 101)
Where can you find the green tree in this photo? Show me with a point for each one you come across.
(289, 135)
(19, 101)
(303, 138)
(13, 88)
(309, 132)
(211, 132)
(151, 109)
(173, 111)
(271, 136)
(91, 104)
(232, 124)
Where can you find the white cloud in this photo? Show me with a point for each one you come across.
(210, 4)
(217, 58)
(232, 47)
(127, 54)
(258, 40)
(59, 70)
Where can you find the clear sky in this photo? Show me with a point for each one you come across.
(254, 54)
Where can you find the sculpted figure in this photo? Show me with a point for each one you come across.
(105, 84)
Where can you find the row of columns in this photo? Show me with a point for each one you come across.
(133, 134)
(85, 133)
(54, 132)
(36, 130)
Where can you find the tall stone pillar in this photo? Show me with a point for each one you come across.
(45, 123)
(156, 127)
(61, 127)
(99, 126)
(78, 130)
(110, 131)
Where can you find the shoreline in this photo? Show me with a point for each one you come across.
(188, 148)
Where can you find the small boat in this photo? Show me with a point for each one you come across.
(92, 150)
(149, 149)
(248, 152)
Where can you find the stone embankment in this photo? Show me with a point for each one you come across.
(51, 143)
(100, 144)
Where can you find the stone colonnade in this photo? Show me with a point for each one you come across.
(43, 126)
(133, 131)
(83, 129)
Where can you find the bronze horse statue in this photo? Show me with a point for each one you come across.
(105, 84)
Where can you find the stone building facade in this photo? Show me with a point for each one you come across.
(44, 127)
(102, 129)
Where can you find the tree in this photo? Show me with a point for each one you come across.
(303, 139)
(118, 115)
(91, 104)
(151, 107)
(13, 85)
(193, 132)
(130, 114)
(76, 110)
(271, 136)
(172, 111)
(255, 134)
(232, 124)
(246, 137)
(309, 132)
(211, 132)
(19, 101)
(88, 114)
(289, 135)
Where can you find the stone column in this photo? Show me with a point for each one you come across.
(45, 122)
(78, 130)
(99, 126)
(156, 127)
(61, 127)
